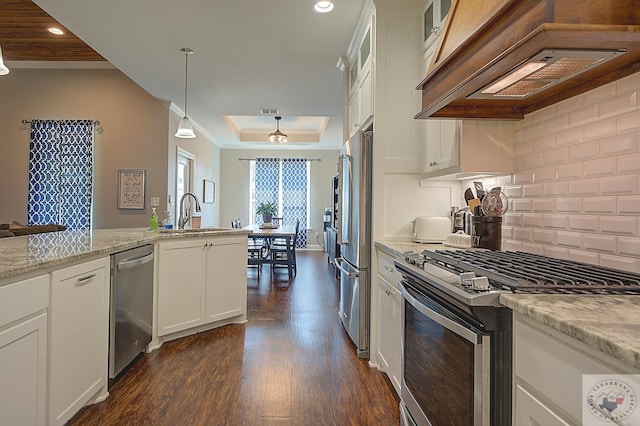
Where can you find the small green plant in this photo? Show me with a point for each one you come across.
(267, 208)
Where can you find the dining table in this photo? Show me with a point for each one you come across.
(271, 233)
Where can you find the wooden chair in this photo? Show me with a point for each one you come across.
(283, 253)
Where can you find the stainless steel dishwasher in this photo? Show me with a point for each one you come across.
(131, 306)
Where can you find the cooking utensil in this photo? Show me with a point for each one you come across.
(479, 190)
(468, 195)
(495, 203)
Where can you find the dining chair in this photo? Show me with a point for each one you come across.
(283, 253)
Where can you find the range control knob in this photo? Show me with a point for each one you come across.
(480, 283)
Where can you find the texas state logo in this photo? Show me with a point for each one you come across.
(610, 399)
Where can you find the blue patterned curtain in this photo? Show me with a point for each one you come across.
(61, 173)
(294, 196)
(267, 182)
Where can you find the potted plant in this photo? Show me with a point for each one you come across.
(267, 210)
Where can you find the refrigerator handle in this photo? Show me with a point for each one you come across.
(343, 270)
(344, 173)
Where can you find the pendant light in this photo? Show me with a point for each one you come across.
(3, 68)
(185, 128)
(277, 136)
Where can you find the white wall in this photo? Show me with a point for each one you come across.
(234, 183)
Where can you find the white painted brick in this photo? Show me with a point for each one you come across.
(629, 122)
(556, 221)
(629, 204)
(533, 190)
(542, 144)
(531, 132)
(522, 205)
(622, 225)
(583, 223)
(569, 137)
(544, 114)
(555, 156)
(555, 124)
(543, 174)
(584, 115)
(629, 163)
(505, 180)
(622, 184)
(617, 145)
(569, 171)
(556, 252)
(600, 243)
(629, 246)
(600, 94)
(544, 236)
(544, 205)
(511, 245)
(532, 161)
(584, 257)
(507, 232)
(600, 167)
(513, 191)
(518, 163)
(522, 234)
(600, 129)
(583, 187)
(556, 188)
(569, 205)
(569, 239)
(514, 219)
(533, 248)
(569, 105)
(523, 148)
(532, 220)
(584, 151)
(618, 105)
(525, 176)
(601, 205)
(619, 262)
(628, 84)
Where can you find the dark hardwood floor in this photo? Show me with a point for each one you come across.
(291, 364)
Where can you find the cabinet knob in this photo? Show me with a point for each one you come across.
(388, 268)
(435, 30)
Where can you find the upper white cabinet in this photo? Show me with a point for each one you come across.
(361, 81)
(79, 338)
(23, 351)
(433, 16)
(454, 148)
(200, 281)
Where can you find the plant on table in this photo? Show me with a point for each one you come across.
(267, 210)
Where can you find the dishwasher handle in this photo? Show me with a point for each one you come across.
(132, 263)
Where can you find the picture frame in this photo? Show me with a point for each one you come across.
(131, 189)
(208, 191)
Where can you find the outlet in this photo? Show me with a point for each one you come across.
(155, 201)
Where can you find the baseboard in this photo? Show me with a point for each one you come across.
(310, 247)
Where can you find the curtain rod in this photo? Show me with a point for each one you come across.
(96, 123)
(281, 158)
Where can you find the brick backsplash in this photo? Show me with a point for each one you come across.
(575, 191)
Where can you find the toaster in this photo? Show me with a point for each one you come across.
(430, 229)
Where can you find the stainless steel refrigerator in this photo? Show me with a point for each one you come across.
(354, 236)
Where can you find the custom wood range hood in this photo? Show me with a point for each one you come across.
(506, 58)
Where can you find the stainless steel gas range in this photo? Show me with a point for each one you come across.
(457, 337)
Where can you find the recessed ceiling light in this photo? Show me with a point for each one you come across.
(56, 31)
(323, 6)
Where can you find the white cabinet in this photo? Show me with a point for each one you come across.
(433, 16)
(78, 340)
(455, 148)
(201, 281)
(548, 373)
(23, 351)
(389, 315)
(361, 82)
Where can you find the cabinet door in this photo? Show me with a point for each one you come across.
(79, 337)
(442, 145)
(181, 280)
(390, 328)
(226, 290)
(366, 96)
(23, 363)
(530, 411)
(354, 112)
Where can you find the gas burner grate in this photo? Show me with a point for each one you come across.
(523, 272)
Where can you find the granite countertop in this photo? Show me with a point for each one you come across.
(610, 324)
(23, 254)
(399, 248)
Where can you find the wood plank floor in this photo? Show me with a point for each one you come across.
(291, 364)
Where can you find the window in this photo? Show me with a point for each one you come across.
(61, 173)
(286, 183)
(184, 181)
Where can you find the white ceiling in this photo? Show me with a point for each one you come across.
(249, 55)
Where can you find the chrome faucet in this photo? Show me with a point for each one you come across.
(185, 215)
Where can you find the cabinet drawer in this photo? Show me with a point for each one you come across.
(387, 269)
(533, 412)
(23, 298)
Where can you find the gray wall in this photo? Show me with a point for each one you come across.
(234, 183)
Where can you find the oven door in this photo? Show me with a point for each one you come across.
(445, 364)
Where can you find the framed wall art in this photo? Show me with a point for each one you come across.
(131, 189)
(208, 191)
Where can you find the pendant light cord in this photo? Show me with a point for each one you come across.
(187, 52)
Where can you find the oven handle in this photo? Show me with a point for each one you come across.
(442, 320)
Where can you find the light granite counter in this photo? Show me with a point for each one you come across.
(399, 248)
(610, 324)
(28, 253)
